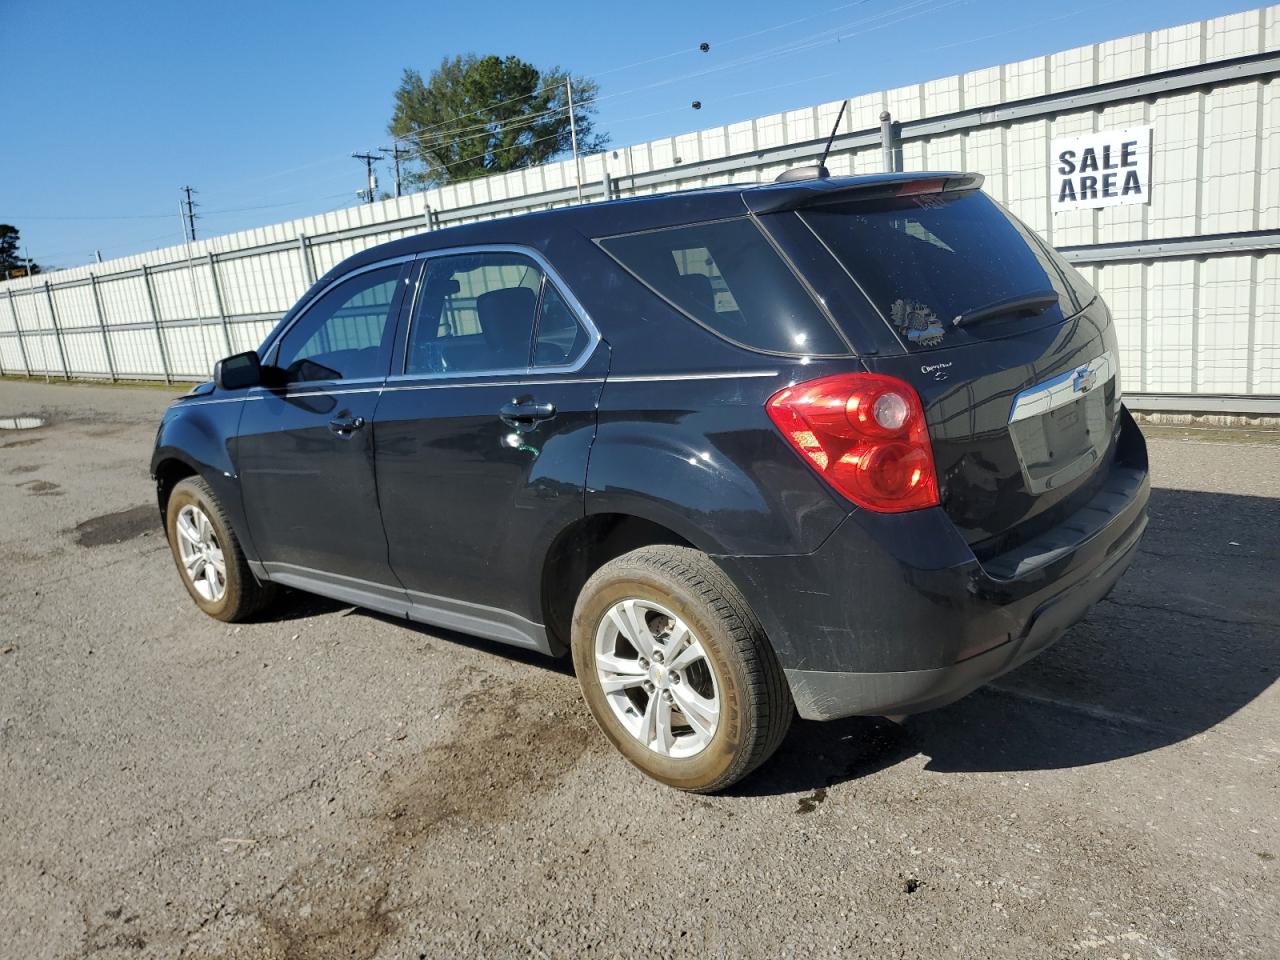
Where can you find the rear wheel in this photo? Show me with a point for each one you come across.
(676, 669)
(209, 557)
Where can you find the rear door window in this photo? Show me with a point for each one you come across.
(561, 338)
(926, 259)
(475, 313)
(727, 277)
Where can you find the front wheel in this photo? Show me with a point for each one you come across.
(677, 670)
(209, 557)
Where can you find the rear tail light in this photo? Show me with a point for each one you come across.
(865, 433)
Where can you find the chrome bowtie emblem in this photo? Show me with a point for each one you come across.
(1085, 380)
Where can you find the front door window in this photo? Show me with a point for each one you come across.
(346, 334)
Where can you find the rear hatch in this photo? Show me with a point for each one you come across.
(1012, 352)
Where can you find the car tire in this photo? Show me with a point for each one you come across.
(201, 538)
(707, 649)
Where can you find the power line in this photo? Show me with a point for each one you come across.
(123, 216)
(205, 215)
(827, 35)
(666, 56)
(275, 206)
(832, 34)
(890, 17)
(1026, 26)
(488, 130)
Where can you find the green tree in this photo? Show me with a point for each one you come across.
(476, 116)
(12, 263)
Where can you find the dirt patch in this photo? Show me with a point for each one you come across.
(810, 803)
(42, 488)
(111, 430)
(515, 745)
(116, 932)
(28, 442)
(117, 527)
(343, 916)
(348, 920)
(25, 468)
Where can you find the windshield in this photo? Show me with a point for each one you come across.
(925, 260)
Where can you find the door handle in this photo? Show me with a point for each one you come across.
(345, 426)
(526, 414)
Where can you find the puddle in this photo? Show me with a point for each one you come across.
(117, 527)
(21, 423)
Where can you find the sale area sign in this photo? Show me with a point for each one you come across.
(1101, 169)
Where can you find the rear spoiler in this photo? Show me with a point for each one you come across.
(799, 194)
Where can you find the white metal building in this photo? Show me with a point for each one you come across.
(1190, 267)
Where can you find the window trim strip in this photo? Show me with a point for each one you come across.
(786, 263)
(273, 340)
(549, 273)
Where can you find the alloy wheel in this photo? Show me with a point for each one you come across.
(657, 678)
(201, 554)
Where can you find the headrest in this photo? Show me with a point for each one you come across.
(506, 318)
(441, 287)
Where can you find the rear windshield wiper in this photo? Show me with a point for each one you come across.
(1028, 303)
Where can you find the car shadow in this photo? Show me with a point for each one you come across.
(1189, 636)
(297, 605)
(499, 651)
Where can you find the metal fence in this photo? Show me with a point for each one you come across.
(1192, 276)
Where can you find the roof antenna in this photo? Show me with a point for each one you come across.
(822, 160)
(819, 170)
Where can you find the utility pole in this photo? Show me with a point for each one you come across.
(191, 210)
(31, 277)
(196, 305)
(369, 160)
(573, 135)
(396, 153)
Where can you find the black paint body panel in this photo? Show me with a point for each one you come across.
(471, 505)
(309, 492)
(439, 510)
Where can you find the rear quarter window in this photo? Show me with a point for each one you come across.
(726, 276)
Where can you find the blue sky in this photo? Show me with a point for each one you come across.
(112, 107)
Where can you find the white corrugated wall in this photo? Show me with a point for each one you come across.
(1203, 324)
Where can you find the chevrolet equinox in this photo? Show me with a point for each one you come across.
(829, 446)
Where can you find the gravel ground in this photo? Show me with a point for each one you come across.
(338, 784)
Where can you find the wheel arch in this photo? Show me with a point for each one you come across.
(584, 547)
(168, 472)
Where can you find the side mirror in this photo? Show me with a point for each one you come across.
(239, 371)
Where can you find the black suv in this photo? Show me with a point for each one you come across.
(832, 446)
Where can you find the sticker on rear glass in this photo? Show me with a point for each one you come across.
(917, 323)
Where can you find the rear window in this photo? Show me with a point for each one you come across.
(727, 277)
(924, 260)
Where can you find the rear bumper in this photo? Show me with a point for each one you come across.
(894, 614)
(827, 695)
